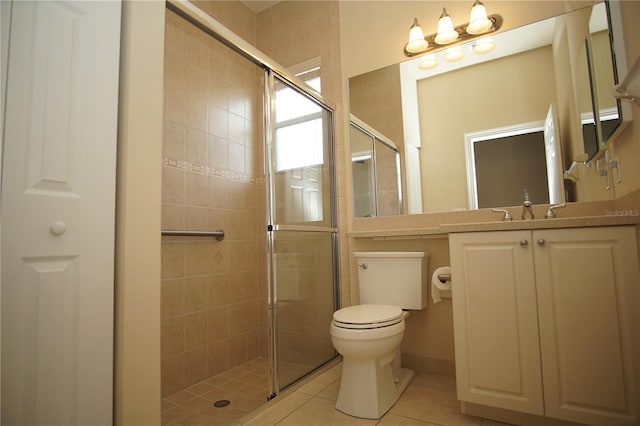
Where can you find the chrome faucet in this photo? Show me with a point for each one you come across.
(527, 211)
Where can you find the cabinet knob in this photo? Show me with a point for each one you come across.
(524, 243)
(541, 242)
(58, 228)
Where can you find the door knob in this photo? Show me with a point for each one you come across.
(58, 228)
(524, 243)
(541, 242)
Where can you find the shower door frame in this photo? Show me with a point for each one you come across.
(211, 26)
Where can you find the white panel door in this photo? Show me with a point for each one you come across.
(588, 291)
(495, 320)
(58, 199)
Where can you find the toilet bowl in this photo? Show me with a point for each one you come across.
(368, 336)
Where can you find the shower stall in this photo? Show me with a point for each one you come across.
(249, 283)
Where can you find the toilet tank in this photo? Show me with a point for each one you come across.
(393, 278)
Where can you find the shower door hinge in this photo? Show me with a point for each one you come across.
(269, 228)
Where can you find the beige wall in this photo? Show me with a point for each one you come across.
(375, 98)
(137, 299)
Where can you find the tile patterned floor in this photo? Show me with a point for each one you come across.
(429, 400)
(246, 386)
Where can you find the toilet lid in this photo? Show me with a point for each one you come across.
(367, 316)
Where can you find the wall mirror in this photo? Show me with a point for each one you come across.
(513, 84)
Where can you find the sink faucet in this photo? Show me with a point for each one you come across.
(527, 211)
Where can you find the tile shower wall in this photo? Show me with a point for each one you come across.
(213, 307)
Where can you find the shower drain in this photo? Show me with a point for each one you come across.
(221, 403)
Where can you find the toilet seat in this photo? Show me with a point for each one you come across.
(361, 317)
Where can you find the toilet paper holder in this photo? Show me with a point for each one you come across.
(444, 277)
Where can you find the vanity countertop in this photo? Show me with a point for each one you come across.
(616, 218)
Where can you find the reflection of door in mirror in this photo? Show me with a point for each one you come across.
(507, 165)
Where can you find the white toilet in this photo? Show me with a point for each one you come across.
(368, 335)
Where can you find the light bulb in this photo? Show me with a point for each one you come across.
(478, 21)
(446, 32)
(416, 43)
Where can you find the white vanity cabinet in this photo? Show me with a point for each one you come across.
(546, 322)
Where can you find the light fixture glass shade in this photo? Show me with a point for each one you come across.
(427, 62)
(454, 54)
(417, 42)
(446, 32)
(484, 45)
(478, 21)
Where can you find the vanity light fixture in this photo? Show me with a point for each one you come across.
(479, 24)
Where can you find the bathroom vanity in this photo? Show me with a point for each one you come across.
(546, 312)
(544, 322)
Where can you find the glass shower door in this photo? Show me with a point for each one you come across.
(302, 233)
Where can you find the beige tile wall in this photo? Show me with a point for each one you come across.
(212, 308)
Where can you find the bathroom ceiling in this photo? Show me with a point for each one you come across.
(258, 6)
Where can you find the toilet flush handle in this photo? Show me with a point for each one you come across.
(363, 265)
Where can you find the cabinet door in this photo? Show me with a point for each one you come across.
(587, 282)
(495, 320)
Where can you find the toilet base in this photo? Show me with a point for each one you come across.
(374, 400)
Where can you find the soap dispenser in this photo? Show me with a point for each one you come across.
(527, 211)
